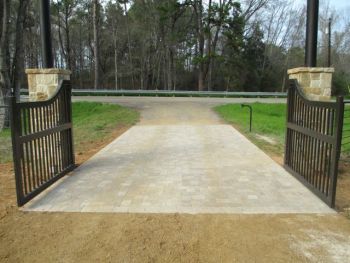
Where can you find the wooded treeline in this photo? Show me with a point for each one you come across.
(228, 45)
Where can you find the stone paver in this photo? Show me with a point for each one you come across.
(193, 168)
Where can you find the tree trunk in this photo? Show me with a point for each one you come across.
(5, 83)
(96, 44)
(2, 111)
(116, 60)
(129, 46)
(200, 33)
(81, 59)
(209, 53)
(18, 58)
(68, 47)
(210, 75)
(169, 73)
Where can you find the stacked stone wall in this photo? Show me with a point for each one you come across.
(316, 83)
(43, 83)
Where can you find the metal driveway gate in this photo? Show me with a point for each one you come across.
(313, 142)
(42, 142)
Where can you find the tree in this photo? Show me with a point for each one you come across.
(114, 14)
(5, 83)
(96, 6)
(64, 11)
(18, 57)
(129, 42)
(171, 44)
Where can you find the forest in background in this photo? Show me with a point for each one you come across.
(215, 45)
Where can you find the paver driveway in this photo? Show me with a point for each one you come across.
(179, 158)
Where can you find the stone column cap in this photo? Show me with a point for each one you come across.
(48, 71)
(310, 70)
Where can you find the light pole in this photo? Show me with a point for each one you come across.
(311, 33)
(45, 33)
(329, 62)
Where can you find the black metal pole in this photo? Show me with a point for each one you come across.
(329, 62)
(311, 33)
(45, 31)
(250, 115)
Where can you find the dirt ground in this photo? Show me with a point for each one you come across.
(342, 204)
(83, 237)
(343, 186)
(97, 237)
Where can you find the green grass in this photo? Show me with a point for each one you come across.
(268, 120)
(91, 122)
(346, 131)
(5, 146)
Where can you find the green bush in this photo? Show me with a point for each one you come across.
(341, 84)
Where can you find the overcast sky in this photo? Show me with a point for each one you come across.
(338, 4)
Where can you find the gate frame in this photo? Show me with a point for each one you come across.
(18, 140)
(334, 140)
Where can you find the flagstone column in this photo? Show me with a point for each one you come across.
(43, 83)
(316, 83)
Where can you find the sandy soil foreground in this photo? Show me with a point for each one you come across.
(77, 237)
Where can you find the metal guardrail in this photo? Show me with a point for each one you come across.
(169, 93)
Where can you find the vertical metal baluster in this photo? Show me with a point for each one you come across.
(43, 143)
(324, 168)
(54, 139)
(302, 140)
(327, 179)
(297, 136)
(308, 172)
(35, 183)
(36, 161)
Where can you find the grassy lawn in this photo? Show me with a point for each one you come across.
(92, 122)
(5, 146)
(268, 129)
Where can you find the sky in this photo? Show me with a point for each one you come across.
(340, 3)
(342, 8)
(337, 4)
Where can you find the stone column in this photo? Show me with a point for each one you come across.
(316, 83)
(43, 83)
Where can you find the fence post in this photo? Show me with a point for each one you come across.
(70, 119)
(290, 94)
(336, 149)
(15, 124)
